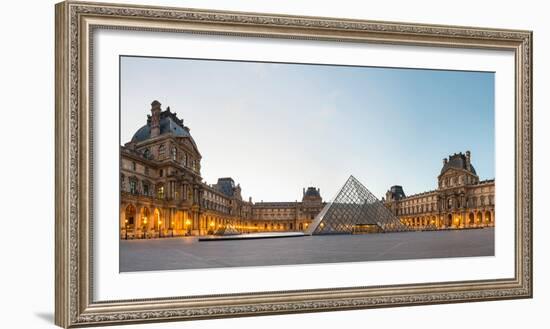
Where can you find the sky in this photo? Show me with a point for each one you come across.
(277, 128)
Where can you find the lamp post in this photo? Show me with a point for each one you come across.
(187, 223)
(145, 227)
(125, 229)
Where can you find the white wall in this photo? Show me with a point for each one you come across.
(27, 138)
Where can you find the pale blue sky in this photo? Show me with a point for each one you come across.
(276, 128)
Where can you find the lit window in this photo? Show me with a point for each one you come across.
(160, 192)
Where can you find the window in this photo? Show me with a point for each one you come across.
(174, 153)
(133, 186)
(145, 189)
(184, 159)
(160, 192)
(147, 153)
(161, 152)
(161, 173)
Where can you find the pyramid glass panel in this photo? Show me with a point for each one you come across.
(355, 210)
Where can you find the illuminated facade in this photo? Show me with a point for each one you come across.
(163, 194)
(461, 200)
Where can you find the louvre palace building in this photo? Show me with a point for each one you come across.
(461, 199)
(163, 193)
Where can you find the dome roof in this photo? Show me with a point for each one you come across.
(458, 161)
(397, 192)
(169, 124)
(312, 192)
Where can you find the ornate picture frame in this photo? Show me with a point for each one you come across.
(76, 23)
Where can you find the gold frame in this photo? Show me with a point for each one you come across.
(76, 21)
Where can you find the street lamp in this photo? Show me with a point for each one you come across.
(125, 229)
(145, 227)
(187, 223)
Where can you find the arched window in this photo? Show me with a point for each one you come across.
(147, 153)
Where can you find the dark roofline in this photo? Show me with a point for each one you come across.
(277, 203)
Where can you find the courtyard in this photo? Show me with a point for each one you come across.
(190, 253)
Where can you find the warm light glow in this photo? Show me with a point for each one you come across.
(212, 224)
(188, 222)
(144, 220)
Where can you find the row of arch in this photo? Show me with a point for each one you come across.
(479, 218)
(148, 221)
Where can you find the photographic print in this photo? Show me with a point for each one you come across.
(240, 163)
(264, 164)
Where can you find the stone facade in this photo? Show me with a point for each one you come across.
(163, 194)
(461, 200)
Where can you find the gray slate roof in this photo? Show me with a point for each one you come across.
(168, 124)
(458, 161)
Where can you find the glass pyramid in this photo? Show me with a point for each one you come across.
(355, 210)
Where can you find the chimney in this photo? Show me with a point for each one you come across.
(468, 159)
(155, 119)
(444, 161)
